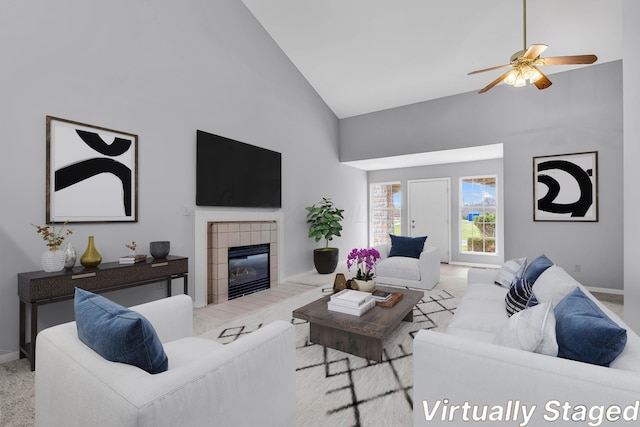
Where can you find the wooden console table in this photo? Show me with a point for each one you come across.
(38, 288)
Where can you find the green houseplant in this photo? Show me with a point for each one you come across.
(324, 221)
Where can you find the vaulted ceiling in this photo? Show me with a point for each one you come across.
(368, 55)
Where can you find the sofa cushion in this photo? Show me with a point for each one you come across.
(406, 246)
(484, 292)
(510, 272)
(519, 297)
(585, 333)
(117, 333)
(481, 309)
(553, 285)
(184, 351)
(399, 267)
(536, 268)
(532, 329)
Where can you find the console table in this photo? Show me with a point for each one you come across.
(38, 288)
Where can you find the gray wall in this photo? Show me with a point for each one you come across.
(454, 171)
(582, 111)
(631, 53)
(160, 70)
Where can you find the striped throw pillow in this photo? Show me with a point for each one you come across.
(519, 296)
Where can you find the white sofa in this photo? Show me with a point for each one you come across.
(248, 382)
(422, 273)
(462, 366)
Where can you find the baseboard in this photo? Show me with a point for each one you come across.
(605, 290)
(8, 357)
(474, 264)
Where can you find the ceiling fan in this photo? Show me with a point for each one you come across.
(524, 64)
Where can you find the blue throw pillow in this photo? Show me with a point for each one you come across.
(406, 246)
(117, 333)
(519, 297)
(536, 268)
(585, 333)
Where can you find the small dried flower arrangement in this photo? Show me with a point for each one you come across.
(131, 246)
(53, 237)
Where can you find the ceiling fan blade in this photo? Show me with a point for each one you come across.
(565, 60)
(543, 82)
(534, 51)
(495, 82)
(489, 69)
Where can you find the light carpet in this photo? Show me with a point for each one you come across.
(332, 387)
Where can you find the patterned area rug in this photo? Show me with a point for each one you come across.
(338, 389)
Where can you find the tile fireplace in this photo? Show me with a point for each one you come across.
(231, 228)
(248, 241)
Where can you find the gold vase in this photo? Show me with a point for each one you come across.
(91, 257)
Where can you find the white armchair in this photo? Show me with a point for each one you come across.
(422, 273)
(245, 383)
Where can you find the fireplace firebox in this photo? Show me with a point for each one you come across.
(248, 270)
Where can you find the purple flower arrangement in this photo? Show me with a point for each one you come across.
(364, 260)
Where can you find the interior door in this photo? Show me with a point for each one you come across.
(429, 213)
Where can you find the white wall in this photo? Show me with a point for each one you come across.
(454, 171)
(582, 111)
(631, 64)
(160, 70)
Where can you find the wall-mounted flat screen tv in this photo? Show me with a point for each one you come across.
(232, 173)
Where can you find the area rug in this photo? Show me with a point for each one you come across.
(338, 389)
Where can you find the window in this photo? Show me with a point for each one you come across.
(384, 219)
(478, 210)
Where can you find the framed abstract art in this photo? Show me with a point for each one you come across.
(92, 173)
(565, 187)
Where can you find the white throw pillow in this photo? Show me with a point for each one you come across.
(511, 271)
(532, 329)
(553, 285)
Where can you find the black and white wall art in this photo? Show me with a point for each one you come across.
(92, 173)
(565, 187)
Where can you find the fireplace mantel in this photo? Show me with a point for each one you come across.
(202, 218)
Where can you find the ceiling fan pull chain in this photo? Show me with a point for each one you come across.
(524, 20)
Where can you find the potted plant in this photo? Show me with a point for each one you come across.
(364, 260)
(324, 223)
(53, 259)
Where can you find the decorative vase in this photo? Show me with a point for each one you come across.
(70, 256)
(339, 283)
(52, 260)
(91, 257)
(159, 249)
(365, 285)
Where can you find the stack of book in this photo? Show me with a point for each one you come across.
(351, 302)
(381, 296)
(132, 259)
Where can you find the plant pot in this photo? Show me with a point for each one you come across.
(52, 260)
(325, 260)
(365, 285)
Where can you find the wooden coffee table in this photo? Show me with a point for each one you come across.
(359, 335)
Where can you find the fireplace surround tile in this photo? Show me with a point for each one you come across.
(222, 236)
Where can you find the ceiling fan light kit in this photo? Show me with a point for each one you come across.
(524, 64)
